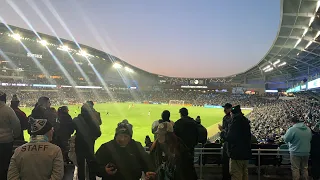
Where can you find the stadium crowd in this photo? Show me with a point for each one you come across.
(272, 121)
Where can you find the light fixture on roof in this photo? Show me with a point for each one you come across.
(16, 36)
(269, 69)
(266, 67)
(311, 20)
(305, 32)
(309, 43)
(282, 64)
(276, 62)
(299, 40)
(43, 42)
(315, 37)
(117, 65)
(298, 54)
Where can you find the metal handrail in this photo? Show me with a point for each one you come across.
(219, 151)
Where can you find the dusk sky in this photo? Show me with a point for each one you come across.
(180, 38)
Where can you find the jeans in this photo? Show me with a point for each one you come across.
(299, 164)
(239, 169)
(6, 150)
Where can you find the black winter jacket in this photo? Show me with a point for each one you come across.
(130, 161)
(239, 138)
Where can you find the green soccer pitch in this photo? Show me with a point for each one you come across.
(139, 117)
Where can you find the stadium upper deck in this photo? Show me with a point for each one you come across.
(295, 51)
(23, 55)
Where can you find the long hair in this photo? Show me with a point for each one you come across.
(172, 143)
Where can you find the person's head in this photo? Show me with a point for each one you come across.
(123, 134)
(165, 115)
(3, 97)
(44, 102)
(198, 120)
(236, 110)
(295, 119)
(227, 108)
(41, 127)
(63, 109)
(183, 112)
(15, 101)
(90, 103)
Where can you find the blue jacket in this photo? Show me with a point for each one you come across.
(299, 138)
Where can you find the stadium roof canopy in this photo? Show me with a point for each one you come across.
(295, 51)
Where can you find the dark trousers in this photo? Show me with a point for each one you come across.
(85, 160)
(225, 163)
(5, 156)
(85, 166)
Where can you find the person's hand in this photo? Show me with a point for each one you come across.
(220, 127)
(111, 169)
(150, 175)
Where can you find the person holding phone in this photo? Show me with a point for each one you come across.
(123, 158)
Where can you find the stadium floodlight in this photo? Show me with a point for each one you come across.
(309, 43)
(117, 65)
(282, 64)
(16, 37)
(65, 48)
(83, 53)
(268, 70)
(128, 69)
(43, 42)
(299, 40)
(267, 67)
(277, 62)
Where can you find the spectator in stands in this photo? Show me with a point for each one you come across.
(298, 138)
(187, 130)
(165, 117)
(95, 114)
(20, 114)
(239, 144)
(38, 159)
(223, 132)
(87, 131)
(314, 153)
(123, 158)
(42, 110)
(9, 129)
(171, 156)
(63, 134)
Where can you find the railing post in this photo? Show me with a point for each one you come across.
(259, 167)
(201, 153)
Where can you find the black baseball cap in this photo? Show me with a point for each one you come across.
(236, 109)
(227, 106)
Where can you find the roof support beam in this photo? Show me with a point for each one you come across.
(295, 26)
(299, 14)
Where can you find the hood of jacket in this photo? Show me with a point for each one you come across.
(300, 126)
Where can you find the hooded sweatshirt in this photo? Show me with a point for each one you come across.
(299, 138)
(10, 127)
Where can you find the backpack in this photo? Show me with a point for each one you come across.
(203, 134)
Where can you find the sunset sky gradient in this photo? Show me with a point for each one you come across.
(180, 38)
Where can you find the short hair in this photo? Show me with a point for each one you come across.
(184, 111)
(165, 115)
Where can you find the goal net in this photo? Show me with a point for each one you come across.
(176, 102)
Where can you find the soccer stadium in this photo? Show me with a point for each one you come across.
(39, 69)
